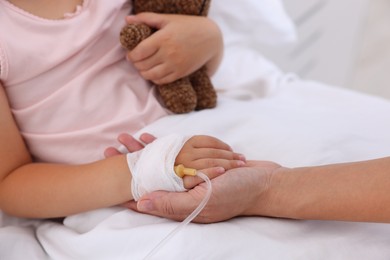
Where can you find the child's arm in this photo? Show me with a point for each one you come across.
(44, 190)
(181, 45)
(38, 190)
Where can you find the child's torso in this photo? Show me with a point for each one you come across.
(70, 88)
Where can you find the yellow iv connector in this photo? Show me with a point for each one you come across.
(182, 171)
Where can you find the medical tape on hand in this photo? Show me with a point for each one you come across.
(152, 168)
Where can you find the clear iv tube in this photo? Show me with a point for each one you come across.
(188, 219)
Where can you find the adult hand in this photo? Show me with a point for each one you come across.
(238, 192)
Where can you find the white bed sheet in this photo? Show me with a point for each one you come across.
(265, 115)
(300, 123)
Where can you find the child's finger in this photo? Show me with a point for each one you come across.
(212, 153)
(210, 163)
(132, 19)
(147, 138)
(154, 20)
(156, 73)
(204, 141)
(111, 151)
(169, 78)
(131, 144)
(146, 49)
(146, 64)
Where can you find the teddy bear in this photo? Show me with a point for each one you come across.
(194, 92)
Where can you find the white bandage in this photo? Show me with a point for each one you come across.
(153, 167)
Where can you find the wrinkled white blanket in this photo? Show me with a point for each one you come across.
(300, 123)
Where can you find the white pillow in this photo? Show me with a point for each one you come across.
(246, 74)
(253, 21)
(246, 24)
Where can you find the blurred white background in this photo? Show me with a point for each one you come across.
(340, 42)
(371, 72)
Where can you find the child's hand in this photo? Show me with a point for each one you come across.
(181, 45)
(131, 144)
(205, 153)
(208, 154)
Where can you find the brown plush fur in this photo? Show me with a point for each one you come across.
(194, 92)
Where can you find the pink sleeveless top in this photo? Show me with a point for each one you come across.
(70, 88)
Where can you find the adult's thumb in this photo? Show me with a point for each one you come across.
(146, 206)
(172, 205)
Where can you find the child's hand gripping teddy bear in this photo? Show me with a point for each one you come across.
(194, 92)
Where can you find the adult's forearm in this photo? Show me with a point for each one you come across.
(351, 192)
(47, 190)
